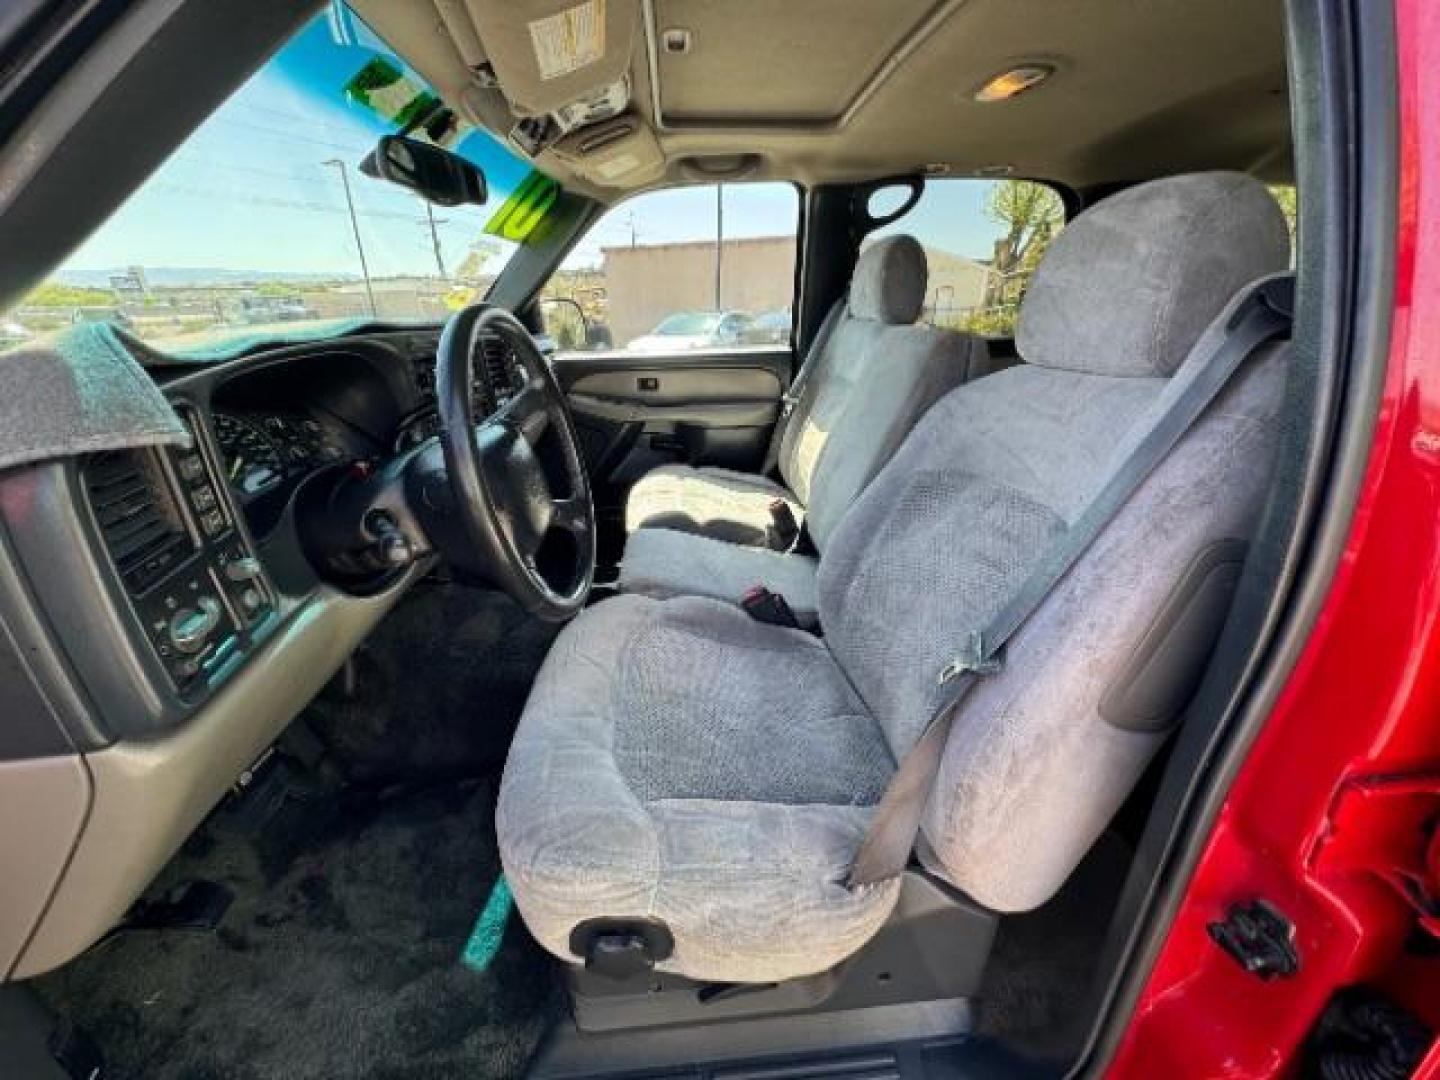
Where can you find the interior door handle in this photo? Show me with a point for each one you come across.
(647, 382)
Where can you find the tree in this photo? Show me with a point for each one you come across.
(54, 294)
(481, 252)
(1285, 195)
(1030, 214)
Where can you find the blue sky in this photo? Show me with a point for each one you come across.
(250, 190)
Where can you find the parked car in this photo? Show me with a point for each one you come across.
(770, 328)
(687, 330)
(12, 333)
(268, 309)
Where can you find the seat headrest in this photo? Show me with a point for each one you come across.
(1127, 288)
(890, 280)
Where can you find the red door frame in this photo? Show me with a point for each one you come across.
(1329, 799)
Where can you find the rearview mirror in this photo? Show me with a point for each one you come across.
(430, 171)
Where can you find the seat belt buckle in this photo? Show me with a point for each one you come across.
(972, 658)
(783, 530)
(765, 606)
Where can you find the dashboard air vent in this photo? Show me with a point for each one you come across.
(424, 366)
(137, 516)
(499, 369)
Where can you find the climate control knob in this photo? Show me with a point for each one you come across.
(245, 568)
(190, 628)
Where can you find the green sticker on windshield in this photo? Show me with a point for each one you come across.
(525, 209)
(381, 87)
(385, 90)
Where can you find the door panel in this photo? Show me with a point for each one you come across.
(634, 411)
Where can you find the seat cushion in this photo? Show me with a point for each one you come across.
(663, 563)
(726, 505)
(679, 761)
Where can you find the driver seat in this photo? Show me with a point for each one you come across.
(684, 769)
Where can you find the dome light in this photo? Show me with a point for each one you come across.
(1014, 82)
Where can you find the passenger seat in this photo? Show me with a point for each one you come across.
(710, 532)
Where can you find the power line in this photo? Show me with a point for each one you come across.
(434, 238)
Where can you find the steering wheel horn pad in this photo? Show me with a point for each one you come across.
(501, 494)
(513, 472)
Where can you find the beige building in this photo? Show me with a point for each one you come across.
(957, 286)
(395, 298)
(643, 284)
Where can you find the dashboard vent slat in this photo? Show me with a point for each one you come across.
(499, 372)
(136, 514)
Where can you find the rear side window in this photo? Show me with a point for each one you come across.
(982, 240)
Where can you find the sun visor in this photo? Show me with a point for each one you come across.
(549, 53)
(82, 394)
(618, 153)
(461, 28)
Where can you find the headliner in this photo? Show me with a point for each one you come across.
(844, 90)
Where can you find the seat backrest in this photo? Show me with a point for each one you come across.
(1041, 755)
(875, 374)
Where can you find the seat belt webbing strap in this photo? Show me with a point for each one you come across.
(1261, 316)
(791, 398)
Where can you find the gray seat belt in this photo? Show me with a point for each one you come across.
(791, 398)
(1263, 315)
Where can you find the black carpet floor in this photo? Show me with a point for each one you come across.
(357, 884)
(440, 686)
(1035, 998)
(344, 964)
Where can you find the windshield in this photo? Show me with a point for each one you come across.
(262, 225)
(689, 322)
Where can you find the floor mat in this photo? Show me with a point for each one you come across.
(1039, 975)
(439, 686)
(345, 962)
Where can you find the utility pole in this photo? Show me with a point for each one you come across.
(336, 163)
(434, 238)
(719, 237)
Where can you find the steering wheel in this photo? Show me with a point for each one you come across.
(536, 545)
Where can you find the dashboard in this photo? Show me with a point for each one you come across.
(261, 452)
(278, 421)
(174, 585)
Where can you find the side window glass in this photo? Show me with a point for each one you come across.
(670, 272)
(983, 240)
(1286, 198)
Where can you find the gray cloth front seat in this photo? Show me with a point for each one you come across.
(680, 763)
(702, 532)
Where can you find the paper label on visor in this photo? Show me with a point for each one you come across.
(569, 40)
